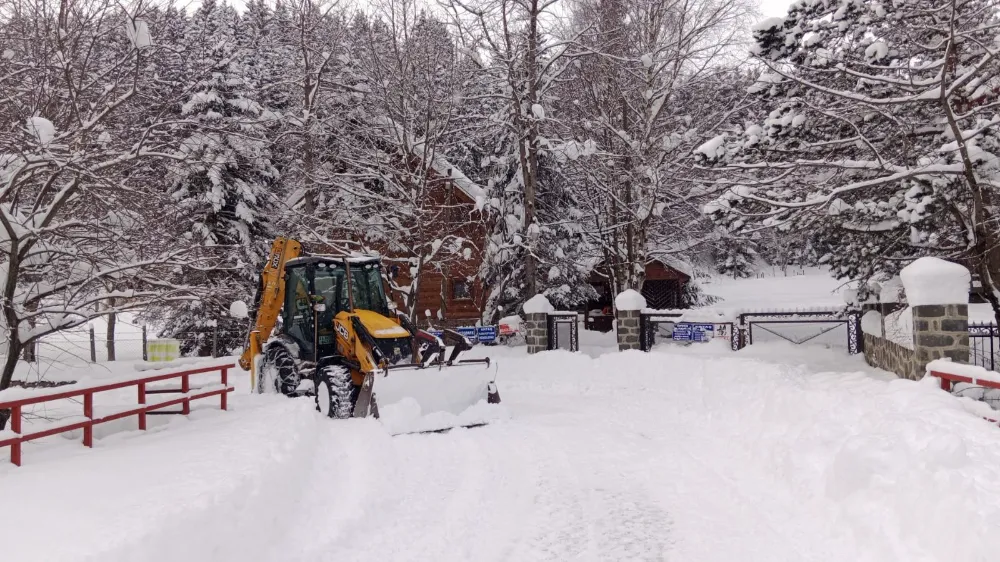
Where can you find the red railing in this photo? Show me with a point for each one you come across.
(949, 379)
(14, 438)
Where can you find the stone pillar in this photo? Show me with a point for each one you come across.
(938, 294)
(536, 323)
(536, 333)
(628, 329)
(940, 331)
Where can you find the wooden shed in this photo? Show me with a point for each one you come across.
(663, 289)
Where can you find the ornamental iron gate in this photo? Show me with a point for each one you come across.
(562, 328)
(834, 328)
(984, 345)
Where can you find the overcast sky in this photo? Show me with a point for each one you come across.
(774, 7)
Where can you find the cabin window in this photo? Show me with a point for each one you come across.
(461, 290)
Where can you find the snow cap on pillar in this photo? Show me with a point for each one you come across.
(931, 281)
(630, 299)
(538, 304)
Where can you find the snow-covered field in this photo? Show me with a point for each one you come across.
(686, 454)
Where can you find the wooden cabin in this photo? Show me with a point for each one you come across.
(449, 287)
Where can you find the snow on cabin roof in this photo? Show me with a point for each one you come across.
(446, 169)
(442, 166)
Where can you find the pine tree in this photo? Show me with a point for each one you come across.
(225, 186)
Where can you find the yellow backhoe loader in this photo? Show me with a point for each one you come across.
(323, 327)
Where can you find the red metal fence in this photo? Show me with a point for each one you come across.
(16, 437)
(948, 381)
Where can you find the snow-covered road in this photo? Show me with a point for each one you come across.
(662, 456)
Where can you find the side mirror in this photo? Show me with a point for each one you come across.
(238, 309)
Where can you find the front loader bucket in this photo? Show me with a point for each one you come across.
(412, 399)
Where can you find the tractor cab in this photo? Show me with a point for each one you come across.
(319, 288)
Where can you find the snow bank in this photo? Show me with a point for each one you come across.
(935, 281)
(708, 316)
(630, 299)
(538, 304)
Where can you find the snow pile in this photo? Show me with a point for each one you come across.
(713, 148)
(238, 309)
(538, 304)
(871, 323)
(42, 129)
(630, 299)
(708, 316)
(936, 281)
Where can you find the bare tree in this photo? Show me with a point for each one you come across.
(71, 211)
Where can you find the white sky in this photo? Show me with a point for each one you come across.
(771, 8)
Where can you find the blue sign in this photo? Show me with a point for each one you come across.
(685, 331)
(486, 334)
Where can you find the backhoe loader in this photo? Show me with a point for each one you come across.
(323, 327)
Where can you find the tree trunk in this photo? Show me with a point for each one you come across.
(112, 321)
(7, 375)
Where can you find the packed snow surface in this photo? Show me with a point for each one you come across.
(630, 299)
(809, 288)
(537, 304)
(935, 281)
(689, 455)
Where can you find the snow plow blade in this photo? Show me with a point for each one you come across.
(417, 399)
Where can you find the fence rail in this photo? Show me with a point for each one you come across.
(15, 437)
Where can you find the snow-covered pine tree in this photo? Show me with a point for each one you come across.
(877, 137)
(224, 184)
(736, 258)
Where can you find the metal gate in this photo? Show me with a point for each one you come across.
(984, 345)
(832, 328)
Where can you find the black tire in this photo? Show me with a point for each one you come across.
(334, 393)
(278, 372)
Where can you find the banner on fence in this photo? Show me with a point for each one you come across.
(481, 334)
(686, 331)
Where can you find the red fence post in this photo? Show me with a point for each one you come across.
(224, 397)
(945, 383)
(185, 388)
(15, 426)
(142, 401)
(88, 412)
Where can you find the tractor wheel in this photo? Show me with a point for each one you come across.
(278, 372)
(334, 392)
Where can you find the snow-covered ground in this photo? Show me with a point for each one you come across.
(687, 454)
(814, 289)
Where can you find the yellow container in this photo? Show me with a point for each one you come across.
(164, 349)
